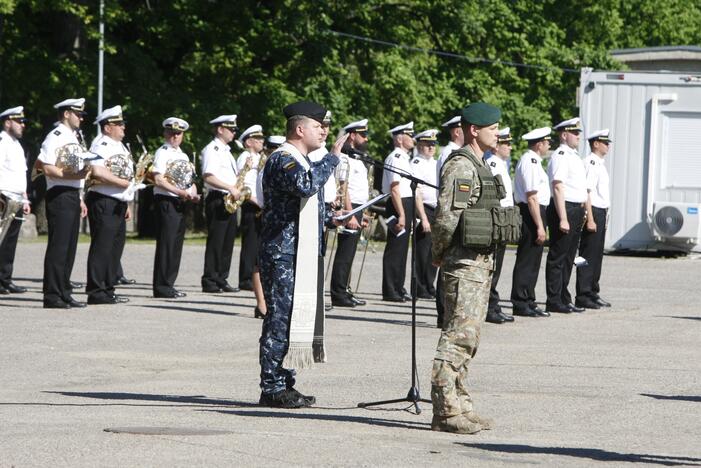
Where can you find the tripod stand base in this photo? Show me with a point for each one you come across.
(412, 397)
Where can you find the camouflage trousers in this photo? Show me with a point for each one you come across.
(465, 299)
(277, 275)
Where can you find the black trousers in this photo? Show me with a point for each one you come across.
(170, 233)
(528, 259)
(221, 232)
(8, 248)
(563, 250)
(396, 249)
(250, 234)
(425, 271)
(498, 261)
(591, 247)
(106, 218)
(63, 217)
(346, 245)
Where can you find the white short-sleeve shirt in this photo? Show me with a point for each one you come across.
(531, 177)
(107, 147)
(56, 139)
(597, 181)
(425, 169)
(445, 152)
(567, 167)
(398, 159)
(330, 186)
(358, 190)
(498, 167)
(164, 155)
(252, 175)
(13, 165)
(217, 160)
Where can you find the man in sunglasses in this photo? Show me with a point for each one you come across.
(591, 246)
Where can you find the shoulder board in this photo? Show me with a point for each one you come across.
(493, 164)
(561, 152)
(0, 138)
(104, 143)
(592, 162)
(57, 132)
(534, 160)
(164, 147)
(416, 161)
(216, 148)
(397, 155)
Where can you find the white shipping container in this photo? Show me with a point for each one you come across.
(655, 159)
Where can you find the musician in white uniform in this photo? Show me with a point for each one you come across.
(61, 161)
(456, 141)
(173, 174)
(498, 163)
(401, 206)
(107, 198)
(591, 245)
(220, 172)
(13, 183)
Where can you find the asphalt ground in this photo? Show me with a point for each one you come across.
(175, 382)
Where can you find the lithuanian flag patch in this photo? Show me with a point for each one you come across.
(464, 187)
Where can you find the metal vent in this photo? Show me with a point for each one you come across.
(669, 220)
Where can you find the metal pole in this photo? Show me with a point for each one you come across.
(101, 58)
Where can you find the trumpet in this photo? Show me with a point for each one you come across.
(230, 203)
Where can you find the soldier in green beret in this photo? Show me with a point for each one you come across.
(463, 246)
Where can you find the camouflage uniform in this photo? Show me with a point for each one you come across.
(466, 280)
(285, 183)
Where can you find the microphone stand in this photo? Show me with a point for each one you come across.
(413, 395)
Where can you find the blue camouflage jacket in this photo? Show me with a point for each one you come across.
(285, 182)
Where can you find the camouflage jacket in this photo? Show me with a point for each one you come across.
(458, 179)
(285, 182)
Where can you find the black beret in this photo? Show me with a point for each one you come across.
(308, 109)
(480, 114)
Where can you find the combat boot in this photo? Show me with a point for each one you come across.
(283, 399)
(459, 424)
(486, 423)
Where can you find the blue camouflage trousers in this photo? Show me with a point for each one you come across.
(277, 275)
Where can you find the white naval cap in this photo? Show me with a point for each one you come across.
(427, 136)
(359, 126)
(228, 121)
(542, 133)
(72, 104)
(276, 140)
(407, 129)
(452, 123)
(327, 118)
(600, 135)
(252, 131)
(504, 135)
(13, 113)
(111, 115)
(570, 125)
(175, 124)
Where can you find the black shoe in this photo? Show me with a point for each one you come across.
(559, 308)
(308, 398)
(229, 288)
(124, 280)
(107, 300)
(527, 312)
(245, 286)
(118, 299)
(425, 295)
(494, 317)
(3, 290)
(575, 308)
(211, 289)
(343, 301)
(283, 399)
(327, 307)
(356, 301)
(14, 289)
(393, 298)
(257, 313)
(58, 304)
(75, 304)
(586, 304)
(179, 293)
(601, 303)
(406, 297)
(169, 295)
(506, 317)
(77, 285)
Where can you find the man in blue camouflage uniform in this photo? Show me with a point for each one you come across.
(285, 183)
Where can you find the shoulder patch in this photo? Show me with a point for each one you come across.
(57, 132)
(416, 161)
(290, 165)
(164, 147)
(104, 143)
(397, 155)
(592, 162)
(216, 148)
(493, 164)
(534, 160)
(561, 152)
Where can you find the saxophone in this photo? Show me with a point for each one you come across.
(230, 203)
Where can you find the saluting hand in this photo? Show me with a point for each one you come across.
(336, 149)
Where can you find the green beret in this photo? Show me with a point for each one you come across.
(480, 114)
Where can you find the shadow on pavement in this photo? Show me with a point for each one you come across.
(196, 310)
(590, 453)
(406, 323)
(329, 417)
(685, 318)
(695, 399)
(122, 396)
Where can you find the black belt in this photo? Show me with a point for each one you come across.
(575, 204)
(215, 194)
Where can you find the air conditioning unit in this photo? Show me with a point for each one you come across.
(676, 221)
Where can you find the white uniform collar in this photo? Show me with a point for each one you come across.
(218, 140)
(401, 151)
(110, 140)
(297, 154)
(4, 134)
(534, 154)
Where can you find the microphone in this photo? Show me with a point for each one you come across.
(356, 154)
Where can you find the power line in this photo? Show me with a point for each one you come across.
(450, 54)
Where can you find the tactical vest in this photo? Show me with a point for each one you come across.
(486, 222)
